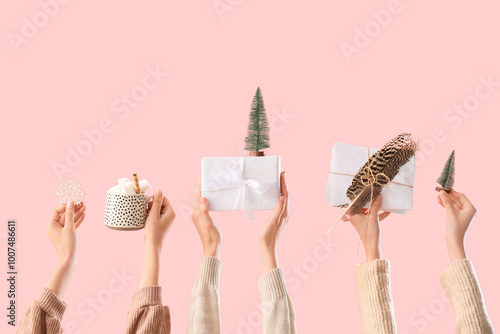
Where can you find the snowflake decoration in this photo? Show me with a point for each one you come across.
(70, 191)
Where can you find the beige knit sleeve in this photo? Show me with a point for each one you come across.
(43, 315)
(375, 298)
(147, 314)
(462, 287)
(278, 314)
(204, 307)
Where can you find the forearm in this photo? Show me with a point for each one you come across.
(373, 249)
(59, 280)
(151, 266)
(456, 249)
(268, 257)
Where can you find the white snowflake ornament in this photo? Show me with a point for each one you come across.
(70, 191)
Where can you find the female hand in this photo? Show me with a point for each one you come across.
(271, 232)
(460, 213)
(64, 221)
(161, 216)
(62, 232)
(366, 223)
(210, 235)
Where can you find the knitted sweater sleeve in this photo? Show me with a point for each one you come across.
(147, 314)
(278, 314)
(204, 307)
(43, 315)
(462, 287)
(375, 298)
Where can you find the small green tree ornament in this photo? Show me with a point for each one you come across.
(258, 127)
(447, 178)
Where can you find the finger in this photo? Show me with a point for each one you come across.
(459, 197)
(439, 200)
(364, 211)
(57, 212)
(157, 202)
(445, 198)
(197, 194)
(284, 188)
(69, 216)
(79, 213)
(165, 206)
(278, 209)
(203, 206)
(383, 215)
(376, 205)
(77, 209)
(79, 221)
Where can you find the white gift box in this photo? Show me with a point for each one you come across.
(346, 162)
(241, 183)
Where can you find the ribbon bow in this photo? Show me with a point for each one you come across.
(234, 179)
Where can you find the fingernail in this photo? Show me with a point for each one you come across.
(282, 199)
(158, 192)
(203, 200)
(70, 204)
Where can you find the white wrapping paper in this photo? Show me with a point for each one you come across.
(241, 183)
(348, 159)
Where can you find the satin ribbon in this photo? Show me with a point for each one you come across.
(234, 179)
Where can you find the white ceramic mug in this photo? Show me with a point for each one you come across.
(126, 212)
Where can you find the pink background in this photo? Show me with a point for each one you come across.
(66, 76)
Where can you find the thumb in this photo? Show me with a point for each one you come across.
(278, 209)
(445, 198)
(376, 205)
(69, 215)
(204, 207)
(157, 201)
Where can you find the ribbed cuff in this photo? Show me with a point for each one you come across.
(462, 288)
(460, 282)
(147, 296)
(210, 269)
(272, 285)
(372, 269)
(456, 272)
(51, 304)
(375, 299)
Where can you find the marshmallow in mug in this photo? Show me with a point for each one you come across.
(127, 187)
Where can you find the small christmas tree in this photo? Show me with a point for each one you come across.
(258, 127)
(447, 178)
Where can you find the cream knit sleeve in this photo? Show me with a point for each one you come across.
(278, 314)
(462, 287)
(204, 307)
(375, 298)
(147, 314)
(43, 315)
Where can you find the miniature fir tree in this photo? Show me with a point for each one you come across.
(447, 178)
(258, 127)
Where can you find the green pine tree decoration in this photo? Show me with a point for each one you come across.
(447, 178)
(258, 127)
